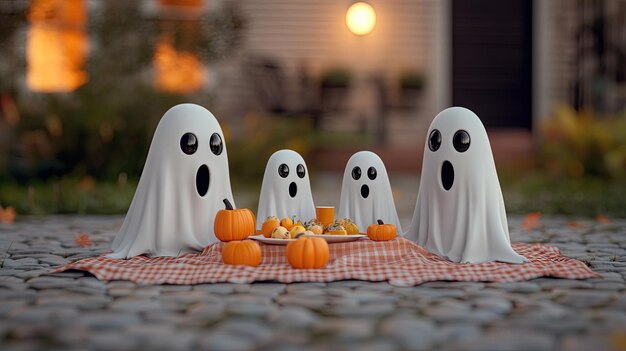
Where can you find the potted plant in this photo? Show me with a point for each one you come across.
(334, 85)
(411, 87)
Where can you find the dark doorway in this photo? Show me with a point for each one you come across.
(492, 60)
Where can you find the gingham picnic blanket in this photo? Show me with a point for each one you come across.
(399, 261)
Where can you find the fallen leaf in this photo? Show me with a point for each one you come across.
(619, 341)
(7, 215)
(83, 240)
(87, 183)
(531, 221)
(575, 225)
(602, 219)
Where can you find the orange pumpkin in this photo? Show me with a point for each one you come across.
(307, 252)
(269, 225)
(246, 252)
(381, 231)
(231, 224)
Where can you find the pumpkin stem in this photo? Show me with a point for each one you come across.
(379, 221)
(228, 205)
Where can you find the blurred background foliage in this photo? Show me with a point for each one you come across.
(83, 152)
(583, 144)
(579, 168)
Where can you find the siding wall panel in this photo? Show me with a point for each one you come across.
(314, 33)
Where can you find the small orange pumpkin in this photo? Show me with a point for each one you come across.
(231, 224)
(381, 231)
(246, 252)
(269, 225)
(307, 252)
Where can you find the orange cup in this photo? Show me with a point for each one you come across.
(325, 214)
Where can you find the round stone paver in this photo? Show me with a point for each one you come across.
(74, 310)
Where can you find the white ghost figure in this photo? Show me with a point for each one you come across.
(183, 184)
(460, 211)
(286, 190)
(366, 193)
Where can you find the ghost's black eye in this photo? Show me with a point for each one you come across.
(300, 171)
(434, 140)
(371, 173)
(189, 143)
(216, 145)
(461, 141)
(356, 173)
(283, 170)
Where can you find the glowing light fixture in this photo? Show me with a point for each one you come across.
(57, 45)
(361, 18)
(176, 71)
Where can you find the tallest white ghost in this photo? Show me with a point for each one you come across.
(183, 184)
(460, 211)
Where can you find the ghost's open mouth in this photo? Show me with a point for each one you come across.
(293, 189)
(447, 175)
(203, 179)
(365, 191)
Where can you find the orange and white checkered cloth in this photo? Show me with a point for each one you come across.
(399, 261)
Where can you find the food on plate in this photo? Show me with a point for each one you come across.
(295, 230)
(269, 225)
(287, 223)
(280, 233)
(381, 231)
(293, 226)
(314, 226)
(317, 229)
(349, 225)
(336, 229)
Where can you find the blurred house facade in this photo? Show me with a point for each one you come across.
(302, 41)
(509, 61)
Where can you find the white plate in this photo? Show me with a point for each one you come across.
(331, 238)
(270, 241)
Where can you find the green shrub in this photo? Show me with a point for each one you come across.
(412, 80)
(583, 144)
(336, 78)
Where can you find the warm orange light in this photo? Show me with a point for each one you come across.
(176, 71)
(56, 45)
(361, 18)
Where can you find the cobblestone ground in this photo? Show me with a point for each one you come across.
(73, 310)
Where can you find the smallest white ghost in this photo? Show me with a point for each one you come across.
(285, 191)
(460, 211)
(366, 193)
